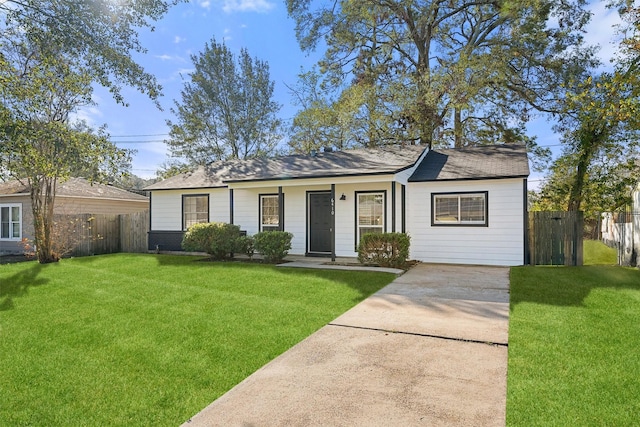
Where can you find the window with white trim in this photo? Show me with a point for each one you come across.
(269, 212)
(459, 209)
(370, 213)
(195, 210)
(11, 222)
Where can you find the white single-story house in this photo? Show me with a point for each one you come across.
(74, 196)
(462, 206)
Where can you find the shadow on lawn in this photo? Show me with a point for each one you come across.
(568, 286)
(18, 284)
(361, 281)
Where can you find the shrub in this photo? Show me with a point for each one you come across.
(218, 239)
(384, 249)
(246, 245)
(273, 245)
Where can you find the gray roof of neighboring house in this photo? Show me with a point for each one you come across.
(76, 187)
(483, 162)
(381, 160)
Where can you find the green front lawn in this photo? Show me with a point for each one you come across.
(574, 337)
(151, 340)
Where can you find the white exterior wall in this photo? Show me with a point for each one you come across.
(166, 207)
(295, 211)
(501, 243)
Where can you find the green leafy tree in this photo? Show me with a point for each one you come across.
(227, 110)
(600, 128)
(98, 36)
(442, 71)
(39, 144)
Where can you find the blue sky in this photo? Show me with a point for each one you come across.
(261, 26)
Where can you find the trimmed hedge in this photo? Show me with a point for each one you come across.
(273, 245)
(218, 239)
(384, 249)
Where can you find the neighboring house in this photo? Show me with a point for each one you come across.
(464, 206)
(621, 230)
(75, 196)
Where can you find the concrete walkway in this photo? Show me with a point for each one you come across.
(427, 350)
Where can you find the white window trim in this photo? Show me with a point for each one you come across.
(383, 226)
(184, 212)
(261, 224)
(459, 196)
(13, 238)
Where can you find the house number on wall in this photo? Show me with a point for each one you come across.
(333, 207)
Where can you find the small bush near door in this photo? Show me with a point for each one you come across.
(273, 245)
(218, 239)
(384, 249)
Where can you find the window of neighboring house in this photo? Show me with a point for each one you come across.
(370, 213)
(269, 212)
(195, 209)
(459, 209)
(11, 222)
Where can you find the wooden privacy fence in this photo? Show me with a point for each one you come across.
(555, 238)
(88, 234)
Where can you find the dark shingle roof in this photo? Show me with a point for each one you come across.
(75, 187)
(381, 160)
(484, 162)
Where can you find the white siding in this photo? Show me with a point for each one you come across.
(295, 212)
(166, 207)
(501, 243)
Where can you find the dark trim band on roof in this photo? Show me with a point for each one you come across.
(481, 178)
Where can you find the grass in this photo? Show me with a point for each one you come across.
(597, 253)
(573, 346)
(151, 339)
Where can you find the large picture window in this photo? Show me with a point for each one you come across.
(269, 212)
(370, 213)
(195, 209)
(459, 209)
(11, 222)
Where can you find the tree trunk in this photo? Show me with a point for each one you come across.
(457, 127)
(42, 199)
(590, 138)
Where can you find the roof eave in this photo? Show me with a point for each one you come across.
(480, 178)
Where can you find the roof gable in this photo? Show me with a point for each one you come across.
(381, 160)
(483, 162)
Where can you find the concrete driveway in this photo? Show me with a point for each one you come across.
(429, 349)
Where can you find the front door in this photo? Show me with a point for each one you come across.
(319, 223)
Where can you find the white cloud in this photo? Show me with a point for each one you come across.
(165, 57)
(601, 31)
(230, 6)
(206, 4)
(89, 114)
(178, 39)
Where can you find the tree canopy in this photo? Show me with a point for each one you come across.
(226, 111)
(98, 36)
(445, 72)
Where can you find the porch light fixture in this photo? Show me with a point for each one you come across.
(343, 197)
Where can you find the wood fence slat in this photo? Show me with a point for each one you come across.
(555, 238)
(87, 234)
